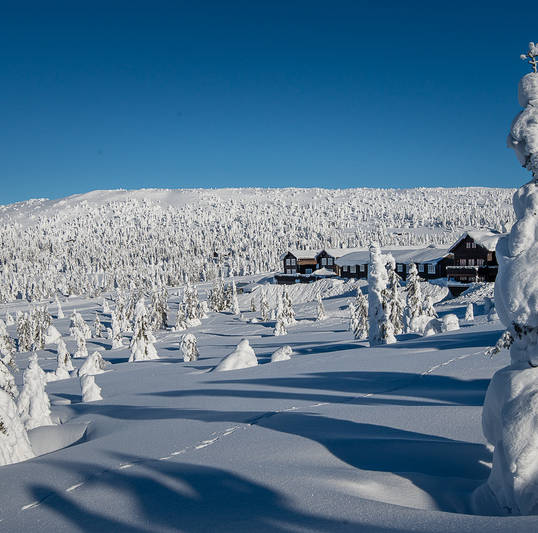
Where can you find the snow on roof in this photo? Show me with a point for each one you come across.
(339, 252)
(323, 272)
(486, 239)
(401, 254)
(301, 254)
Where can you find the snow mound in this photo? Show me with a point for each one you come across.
(477, 293)
(434, 291)
(47, 439)
(242, 357)
(282, 354)
(440, 325)
(301, 293)
(94, 364)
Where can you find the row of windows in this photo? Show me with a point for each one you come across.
(469, 244)
(290, 261)
(471, 262)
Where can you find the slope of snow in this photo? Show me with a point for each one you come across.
(341, 437)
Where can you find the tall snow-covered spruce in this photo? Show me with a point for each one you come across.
(510, 415)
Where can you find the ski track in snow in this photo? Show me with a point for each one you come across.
(216, 436)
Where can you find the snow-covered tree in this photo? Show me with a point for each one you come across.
(82, 348)
(7, 381)
(98, 327)
(142, 348)
(413, 308)
(24, 332)
(33, 404)
(59, 310)
(427, 307)
(510, 415)
(94, 364)
(77, 322)
(91, 392)
(64, 365)
(288, 312)
(117, 337)
(397, 306)
(10, 321)
(469, 312)
(280, 327)
(159, 309)
(320, 309)
(7, 347)
(235, 301)
(265, 312)
(14, 443)
(188, 347)
(252, 305)
(381, 330)
(181, 320)
(359, 316)
(190, 306)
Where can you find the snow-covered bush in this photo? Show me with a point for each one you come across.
(242, 357)
(280, 327)
(52, 335)
(33, 404)
(94, 364)
(469, 313)
(188, 347)
(7, 381)
(359, 316)
(7, 346)
(82, 348)
(283, 353)
(321, 315)
(91, 392)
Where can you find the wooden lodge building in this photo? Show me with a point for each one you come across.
(470, 259)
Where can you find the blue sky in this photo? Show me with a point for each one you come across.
(102, 95)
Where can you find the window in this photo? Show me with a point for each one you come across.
(462, 262)
(353, 269)
(473, 245)
(308, 271)
(399, 267)
(324, 261)
(468, 244)
(330, 261)
(420, 267)
(480, 262)
(293, 261)
(431, 268)
(471, 262)
(346, 268)
(363, 268)
(288, 261)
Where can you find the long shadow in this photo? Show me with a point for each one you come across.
(447, 341)
(156, 495)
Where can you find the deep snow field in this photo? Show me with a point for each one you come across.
(342, 437)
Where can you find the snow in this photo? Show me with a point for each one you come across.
(242, 357)
(486, 239)
(283, 353)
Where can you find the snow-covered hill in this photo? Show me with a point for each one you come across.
(90, 243)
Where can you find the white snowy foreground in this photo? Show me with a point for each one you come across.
(341, 437)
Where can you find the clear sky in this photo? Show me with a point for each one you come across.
(113, 94)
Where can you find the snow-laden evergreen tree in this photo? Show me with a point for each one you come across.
(235, 301)
(380, 327)
(265, 312)
(359, 316)
(181, 319)
(10, 321)
(510, 414)
(427, 307)
(105, 308)
(493, 315)
(280, 327)
(117, 337)
(64, 365)
(14, 443)
(40, 320)
(397, 306)
(159, 309)
(24, 332)
(252, 305)
(216, 298)
(59, 310)
(289, 313)
(7, 347)
(188, 347)
(142, 348)
(98, 327)
(82, 348)
(320, 309)
(33, 404)
(413, 307)
(91, 392)
(77, 322)
(469, 313)
(7, 381)
(190, 306)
